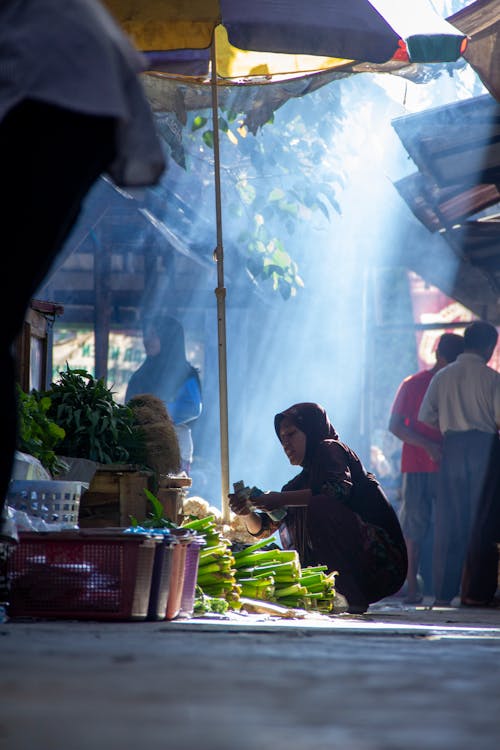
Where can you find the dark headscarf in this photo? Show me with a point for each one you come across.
(165, 372)
(312, 420)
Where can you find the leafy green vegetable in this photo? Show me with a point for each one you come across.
(155, 519)
(38, 435)
(204, 603)
(95, 425)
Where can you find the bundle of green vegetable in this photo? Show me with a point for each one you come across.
(319, 589)
(216, 568)
(276, 575)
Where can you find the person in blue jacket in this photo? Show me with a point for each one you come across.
(166, 373)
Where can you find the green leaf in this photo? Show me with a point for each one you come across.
(198, 123)
(208, 138)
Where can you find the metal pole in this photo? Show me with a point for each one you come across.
(220, 293)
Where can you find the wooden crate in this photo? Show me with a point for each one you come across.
(171, 493)
(116, 493)
(171, 498)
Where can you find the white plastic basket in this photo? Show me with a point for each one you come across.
(53, 501)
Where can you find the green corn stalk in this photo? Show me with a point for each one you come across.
(294, 590)
(218, 550)
(218, 566)
(221, 564)
(197, 524)
(257, 558)
(311, 580)
(289, 569)
(208, 570)
(287, 578)
(215, 584)
(256, 582)
(264, 593)
(314, 569)
(252, 548)
(215, 567)
(324, 605)
(225, 559)
(244, 574)
(212, 539)
(222, 589)
(319, 588)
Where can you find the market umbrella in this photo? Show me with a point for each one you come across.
(232, 42)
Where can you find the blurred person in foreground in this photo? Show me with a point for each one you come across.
(71, 108)
(419, 462)
(463, 402)
(166, 373)
(336, 512)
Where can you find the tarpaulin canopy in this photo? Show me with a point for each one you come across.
(279, 37)
(232, 42)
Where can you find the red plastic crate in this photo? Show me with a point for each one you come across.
(86, 574)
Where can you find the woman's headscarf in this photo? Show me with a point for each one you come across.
(312, 420)
(163, 373)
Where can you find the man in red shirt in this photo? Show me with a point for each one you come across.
(419, 459)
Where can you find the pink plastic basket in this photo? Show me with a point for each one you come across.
(184, 572)
(190, 576)
(177, 577)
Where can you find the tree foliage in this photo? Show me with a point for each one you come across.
(273, 181)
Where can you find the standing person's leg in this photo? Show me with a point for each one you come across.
(452, 501)
(50, 159)
(425, 569)
(415, 519)
(480, 572)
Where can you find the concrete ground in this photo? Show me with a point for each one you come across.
(396, 678)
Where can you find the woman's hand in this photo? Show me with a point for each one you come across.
(268, 501)
(239, 504)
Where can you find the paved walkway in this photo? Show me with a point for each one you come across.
(396, 678)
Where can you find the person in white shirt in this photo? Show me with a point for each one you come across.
(463, 402)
